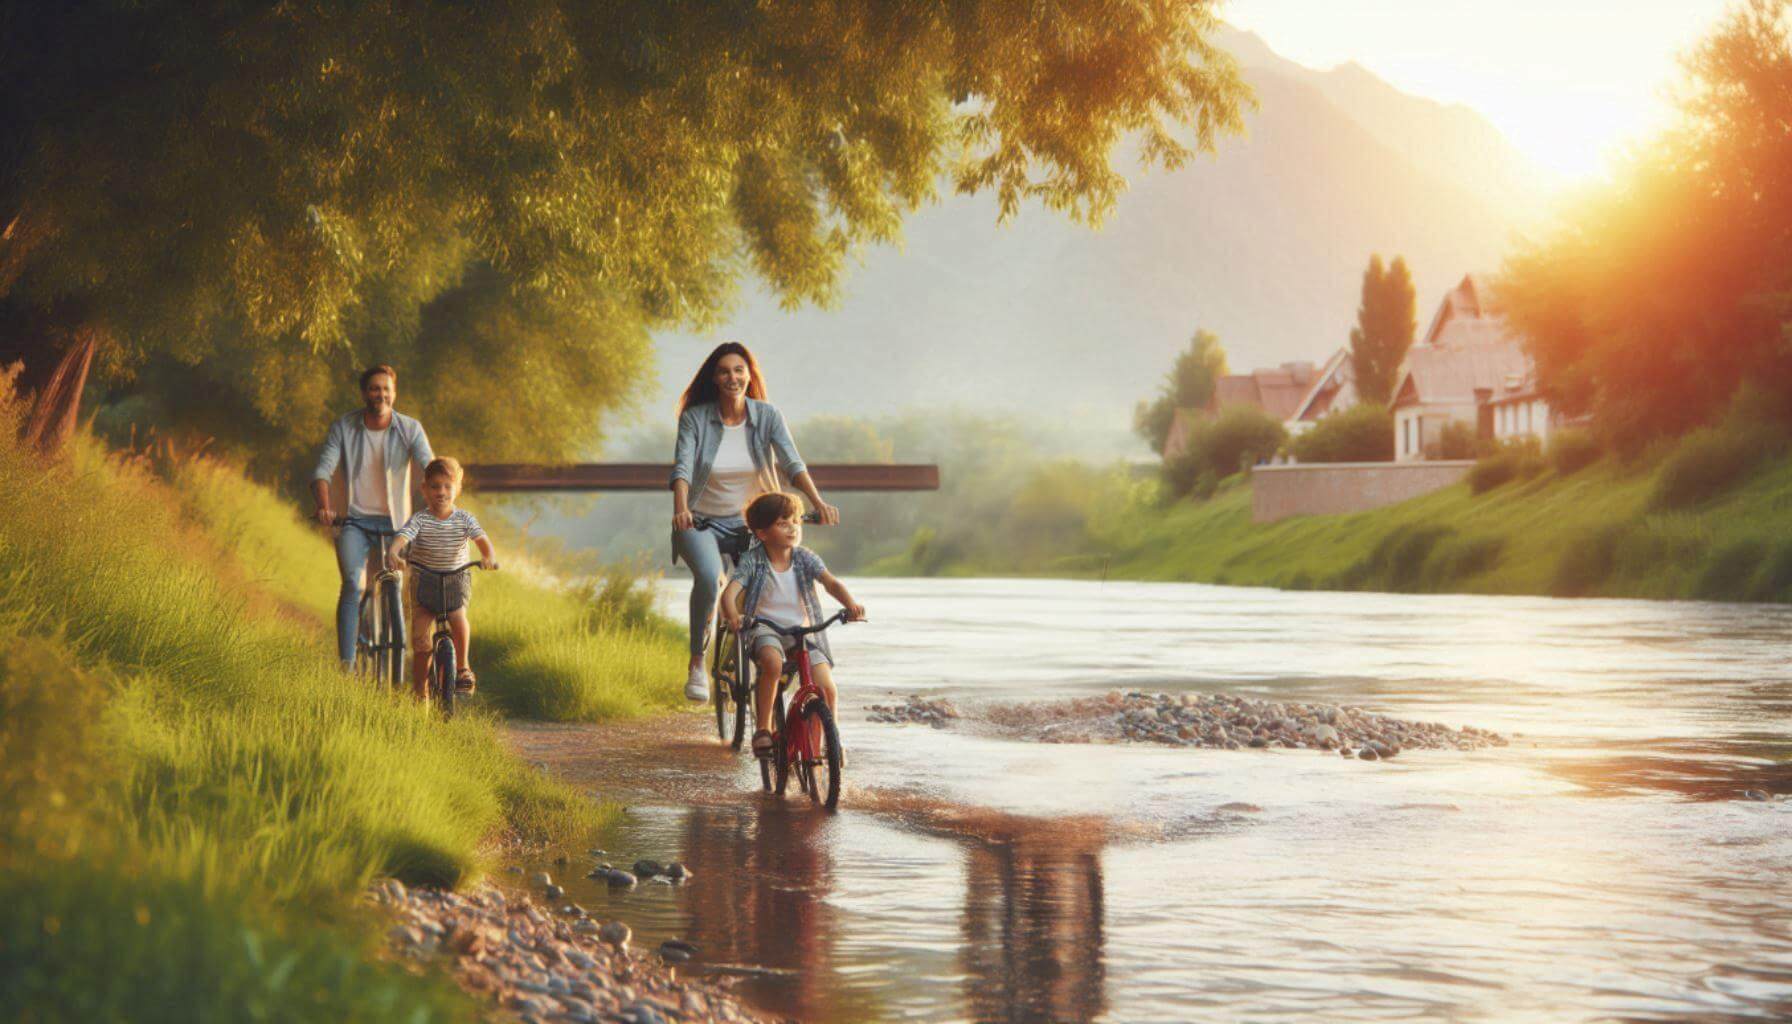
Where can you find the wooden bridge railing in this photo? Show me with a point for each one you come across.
(651, 476)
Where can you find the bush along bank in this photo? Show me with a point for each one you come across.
(194, 794)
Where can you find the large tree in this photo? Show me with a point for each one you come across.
(1386, 320)
(1188, 386)
(1658, 295)
(259, 196)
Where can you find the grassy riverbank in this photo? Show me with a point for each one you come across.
(1612, 529)
(194, 795)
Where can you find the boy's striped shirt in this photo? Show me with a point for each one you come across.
(440, 544)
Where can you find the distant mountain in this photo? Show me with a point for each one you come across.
(1263, 243)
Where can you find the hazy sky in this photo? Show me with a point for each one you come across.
(1568, 81)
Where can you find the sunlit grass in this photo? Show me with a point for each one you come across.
(194, 794)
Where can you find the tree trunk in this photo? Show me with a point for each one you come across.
(53, 414)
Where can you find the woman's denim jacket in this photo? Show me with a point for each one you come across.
(768, 442)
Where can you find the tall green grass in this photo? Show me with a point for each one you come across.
(191, 795)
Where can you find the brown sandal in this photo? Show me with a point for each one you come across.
(466, 681)
(763, 743)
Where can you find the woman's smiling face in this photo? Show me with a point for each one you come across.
(732, 376)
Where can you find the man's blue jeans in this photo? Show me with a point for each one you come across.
(352, 547)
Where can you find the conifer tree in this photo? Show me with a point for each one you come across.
(1386, 321)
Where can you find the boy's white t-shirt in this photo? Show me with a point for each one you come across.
(367, 495)
(732, 476)
(780, 603)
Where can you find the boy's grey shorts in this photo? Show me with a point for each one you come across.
(425, 586)
(765, 636)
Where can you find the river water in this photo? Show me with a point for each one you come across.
(1603, 866)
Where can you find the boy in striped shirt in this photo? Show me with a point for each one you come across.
(436, 537)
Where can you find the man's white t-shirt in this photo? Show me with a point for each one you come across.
(781, 603)
(732, 477)
(367, 491)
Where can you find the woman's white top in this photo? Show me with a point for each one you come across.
(732, 479)
(781, 603)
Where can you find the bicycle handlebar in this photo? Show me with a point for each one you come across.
(703, 522)
(795, 632)
(443, 572)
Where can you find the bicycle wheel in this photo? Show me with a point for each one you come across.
(774, 771)
(394, 604)
(367, 636)
(821, 773)
(442, 675)
(721, 673)
(743, 689)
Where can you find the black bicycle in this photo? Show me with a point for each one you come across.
(443, 671)
(380, 638)
(731, 667)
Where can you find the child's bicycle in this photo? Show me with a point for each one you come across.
(380, 638)
(807, 741)
(730, 663)
(443, 671)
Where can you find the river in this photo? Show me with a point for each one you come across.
(1603, 866)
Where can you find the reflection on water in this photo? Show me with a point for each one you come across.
(1033, 930)
(1603, 867)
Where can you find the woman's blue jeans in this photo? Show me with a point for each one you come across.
(352, 547)
(702, 550)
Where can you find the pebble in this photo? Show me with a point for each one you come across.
(648, 868)
(677, 872)
(621, 879)
(543, 879)
(554, 892)
(1755, 794)
(616, 934)
(547, 968)
(915, 711)
(1232, 722)
(1368, 754)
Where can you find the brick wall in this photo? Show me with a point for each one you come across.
(1324, 489)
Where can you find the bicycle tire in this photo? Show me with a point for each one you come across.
(382, 636)
(366, 635)
(442, 675)
(394, 602)
(774, 771)
(817, 716)
(743, 689)
(719, 677)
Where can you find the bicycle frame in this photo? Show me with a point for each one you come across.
(377, 576)
(801, 742)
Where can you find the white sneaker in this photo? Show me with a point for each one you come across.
(696, 688)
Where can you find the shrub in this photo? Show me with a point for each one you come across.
(1729, 571)
(1460, 558)
(1455, 441)
(1361, 433)
(1708, 462)
(1398, 560)
(1571, 451)
(1587, 561)
(1774, 582)
(1236, 439)
(1519, 461)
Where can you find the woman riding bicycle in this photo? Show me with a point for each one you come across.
(732, 446)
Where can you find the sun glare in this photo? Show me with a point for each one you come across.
(1569, 82)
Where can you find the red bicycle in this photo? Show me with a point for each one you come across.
(806, 742)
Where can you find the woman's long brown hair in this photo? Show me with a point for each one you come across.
(703, 385)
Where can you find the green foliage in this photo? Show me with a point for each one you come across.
(1220, 446)
(195, 795)
(1587, 560)
(1731, 570)
(1361, 433)
(1456, 440)
(1708, 462)
(1520, 461)
(1398, 560)
(1572, 450)
(504, 197)
(1386, 320)
(1658, 296)
(1188, 386)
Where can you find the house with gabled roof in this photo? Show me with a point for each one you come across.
(1467, 368)
(1333, 390)
(1277, 391)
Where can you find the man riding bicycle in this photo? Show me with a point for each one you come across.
(376, 449)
